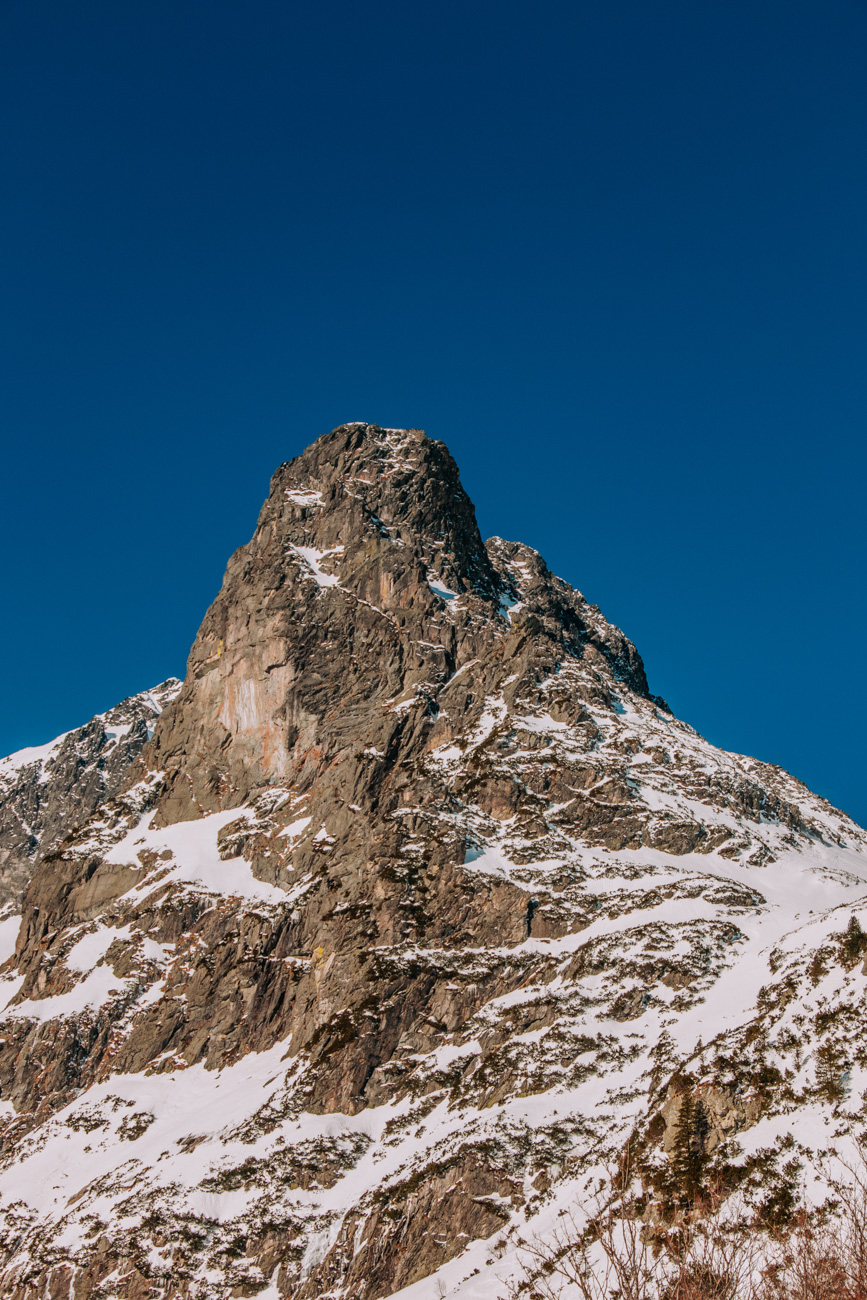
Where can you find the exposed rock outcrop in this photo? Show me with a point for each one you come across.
(47, 791)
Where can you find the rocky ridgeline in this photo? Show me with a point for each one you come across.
(47, 791)
(416, 907)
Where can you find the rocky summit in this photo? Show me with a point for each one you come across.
(357, 958)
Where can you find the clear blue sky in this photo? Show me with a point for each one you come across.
(612, 253)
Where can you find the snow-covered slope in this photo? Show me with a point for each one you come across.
(47, 790)
(417, 907)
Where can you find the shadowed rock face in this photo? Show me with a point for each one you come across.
(401, 918)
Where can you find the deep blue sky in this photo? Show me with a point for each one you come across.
(612, 253)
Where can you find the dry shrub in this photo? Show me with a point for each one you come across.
(824, 1259)
(617, 1256)
(716, 1264)
(625, 1263)
(806, 1266)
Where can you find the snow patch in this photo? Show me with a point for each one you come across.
(195, 859)
(439, 588)
(308, 497)
(313, 559)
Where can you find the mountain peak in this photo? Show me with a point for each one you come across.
(366, 580)
(398, 483)
(416, 914)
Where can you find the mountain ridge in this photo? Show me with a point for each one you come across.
(76, 770)
(413, 910)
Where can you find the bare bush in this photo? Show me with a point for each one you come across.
(616, 1261)
(806, 1265)
(615, 1254)
(824, 1258)
(716, 1264)
(852, 1228)
(623, 1262)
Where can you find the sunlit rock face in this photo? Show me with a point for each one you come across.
(416, 905)
(366, 547)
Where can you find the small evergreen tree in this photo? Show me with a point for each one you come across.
(853, 944)
(829, 1071)
(688, 1158)
(664, 1057)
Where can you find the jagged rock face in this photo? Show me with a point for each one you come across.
(337, 627)
(416, 904)
(47, 791)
